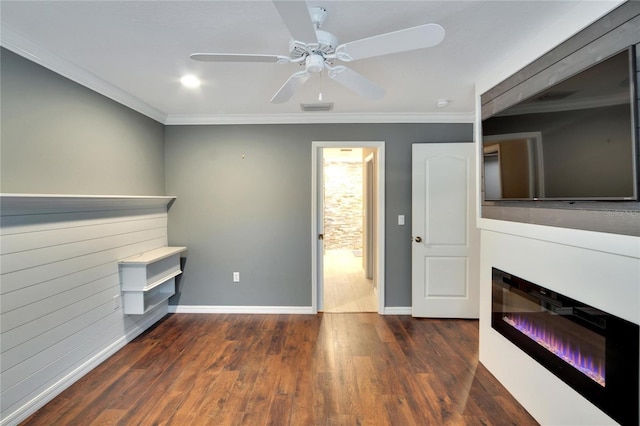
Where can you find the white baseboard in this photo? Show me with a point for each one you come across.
(302, 310)
(57, 388)
(397, 310)
(221, 309)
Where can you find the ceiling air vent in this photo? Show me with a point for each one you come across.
(320, 106)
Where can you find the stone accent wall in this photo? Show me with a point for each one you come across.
(342, 205)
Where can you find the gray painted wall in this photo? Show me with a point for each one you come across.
(60, 137)
(253, 214)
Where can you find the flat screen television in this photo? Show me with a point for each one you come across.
(576, 140)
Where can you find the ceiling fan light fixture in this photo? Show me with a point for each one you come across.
(190, 81)
(314, 63)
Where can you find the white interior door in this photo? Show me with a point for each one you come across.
(318, 230)
(445, 239)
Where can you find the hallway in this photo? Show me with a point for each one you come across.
(345, 287)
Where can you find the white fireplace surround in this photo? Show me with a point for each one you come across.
(595, 268)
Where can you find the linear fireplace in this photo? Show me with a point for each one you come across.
(594, 352)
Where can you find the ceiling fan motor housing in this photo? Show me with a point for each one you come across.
(326, 45)
(327, 42)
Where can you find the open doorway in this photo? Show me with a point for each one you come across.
(347, 286)
(348, 223)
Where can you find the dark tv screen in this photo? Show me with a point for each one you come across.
(577, 140)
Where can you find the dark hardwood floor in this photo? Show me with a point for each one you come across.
(329, 369)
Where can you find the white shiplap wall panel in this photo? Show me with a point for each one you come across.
(34, 293)
(55, 325)
(19, 242)
(23, 224)
(59, 335)
(17, 364)
(24, 278)
(27, 326)
(54, 255)
(17, 318)
(58, 279)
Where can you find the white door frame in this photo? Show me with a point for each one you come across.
(316, 273)
(369, 217)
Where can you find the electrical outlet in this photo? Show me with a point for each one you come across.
(236, 277)
(116, 302)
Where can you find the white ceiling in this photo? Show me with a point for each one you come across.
(136, 52)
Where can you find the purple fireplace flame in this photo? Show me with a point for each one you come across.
(594, 369)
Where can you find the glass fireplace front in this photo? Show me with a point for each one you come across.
(594, 352)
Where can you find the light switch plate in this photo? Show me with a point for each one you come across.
(400, 219)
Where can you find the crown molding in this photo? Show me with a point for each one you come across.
(318, 118)
(19, 45)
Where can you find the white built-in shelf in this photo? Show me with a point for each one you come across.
(148, 279)
(20, 204)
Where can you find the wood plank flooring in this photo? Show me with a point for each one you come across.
(345, 287)
(325, 369)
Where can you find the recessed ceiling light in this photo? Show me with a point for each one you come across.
(441, 103)
(190, 80)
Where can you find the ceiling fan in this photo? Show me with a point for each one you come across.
(318, 50)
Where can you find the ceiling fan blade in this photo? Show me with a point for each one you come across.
(419, 37)
(290, 86)
(356, 82)
(237, 57)
(295, 15)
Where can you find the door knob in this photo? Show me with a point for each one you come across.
(321, 236)
(418, 239)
